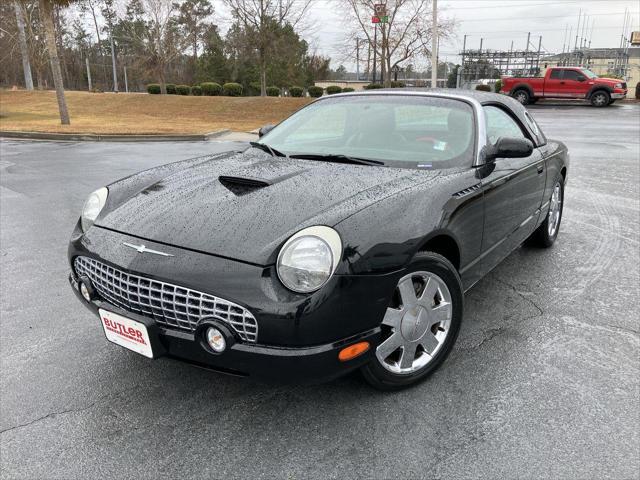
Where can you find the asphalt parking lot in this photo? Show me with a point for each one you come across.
(544, 381)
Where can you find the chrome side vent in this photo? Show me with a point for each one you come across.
(467, 191)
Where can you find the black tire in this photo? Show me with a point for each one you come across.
(612, 101)
(600, 98)
(383, 379)
(522, 96)
(542, 237)
(533, 100)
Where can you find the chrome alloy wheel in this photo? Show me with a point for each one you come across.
(600, 99)
(419, 323)
(522, 97)
(555, 209)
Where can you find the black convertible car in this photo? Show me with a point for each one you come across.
(343, 239)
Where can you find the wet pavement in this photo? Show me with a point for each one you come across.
(543, 382)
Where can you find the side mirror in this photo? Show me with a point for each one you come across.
(509, 147)
(264, 130)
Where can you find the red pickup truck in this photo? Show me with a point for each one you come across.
(565, 82)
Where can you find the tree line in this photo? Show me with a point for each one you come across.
(159, 41)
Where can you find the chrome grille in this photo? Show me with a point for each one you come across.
(169, 305)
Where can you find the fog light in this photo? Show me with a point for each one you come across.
(216, 340)
(86, 294)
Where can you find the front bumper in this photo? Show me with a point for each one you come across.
(619, 95)
(300, 336)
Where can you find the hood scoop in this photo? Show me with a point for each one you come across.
(242, 185)
(258, 175)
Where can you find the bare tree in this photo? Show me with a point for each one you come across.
(160, 42)
(256, 16)
(46, 17)
(405, 35)
(24, 48)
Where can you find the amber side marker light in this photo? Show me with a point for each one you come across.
(353, 351)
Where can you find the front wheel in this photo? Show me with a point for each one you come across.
(600, 99)
(545, 235)
(420, 326)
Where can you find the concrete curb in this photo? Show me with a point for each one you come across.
(92, 137)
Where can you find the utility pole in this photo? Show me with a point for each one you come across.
(459, 77)
(375, 51)
(477, 69)
(538, 58)
(24, 49)
(126, 83)
(434, 47)
(357, 59)
(86, 61)
(113, 63)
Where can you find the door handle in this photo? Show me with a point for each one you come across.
(540, 168)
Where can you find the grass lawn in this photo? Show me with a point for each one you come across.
(124, 113)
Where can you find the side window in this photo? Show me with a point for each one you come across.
(556, 74)
(500, 124)
(573, 75)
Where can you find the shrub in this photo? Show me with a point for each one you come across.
(498, 86)
(196, 90)
(638, 91)
(171, 89)
(331, 89)
(183, 89)
(254, 88)
(395, 84)
(211, 89)
(153, 89)
(232, 89)
(347, 90)
(315, 92)
(296, 91)
(273, 92)
(372, 86)
(483, 88)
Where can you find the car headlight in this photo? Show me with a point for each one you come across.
(618, 85)
(92, 207)
(308, 259)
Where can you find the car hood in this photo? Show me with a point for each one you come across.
(245, 205)
(608, 81)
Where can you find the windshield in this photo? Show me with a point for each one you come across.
(400, 130)
(589, 73)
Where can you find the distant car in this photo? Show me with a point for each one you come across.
(343, 239)
(566, 82)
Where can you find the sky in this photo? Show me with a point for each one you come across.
(497, 22)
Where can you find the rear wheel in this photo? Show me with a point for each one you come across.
(600, 98)
(522, 96)
(420, 326)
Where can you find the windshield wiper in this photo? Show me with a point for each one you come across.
(268, 149)
(336, 157)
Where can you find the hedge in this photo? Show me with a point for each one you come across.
(483, 88)
(196, 90)
(183, 89)
(171, 88)
(372, 86)
(296, 91)
(395, 84)
(232, 89)
(273, 92)
(153, 89)
(331, 89)
(211, 89)
(347, 90)
(315, 92)
(498, 86)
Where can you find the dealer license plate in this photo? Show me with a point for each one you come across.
(126, 332)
